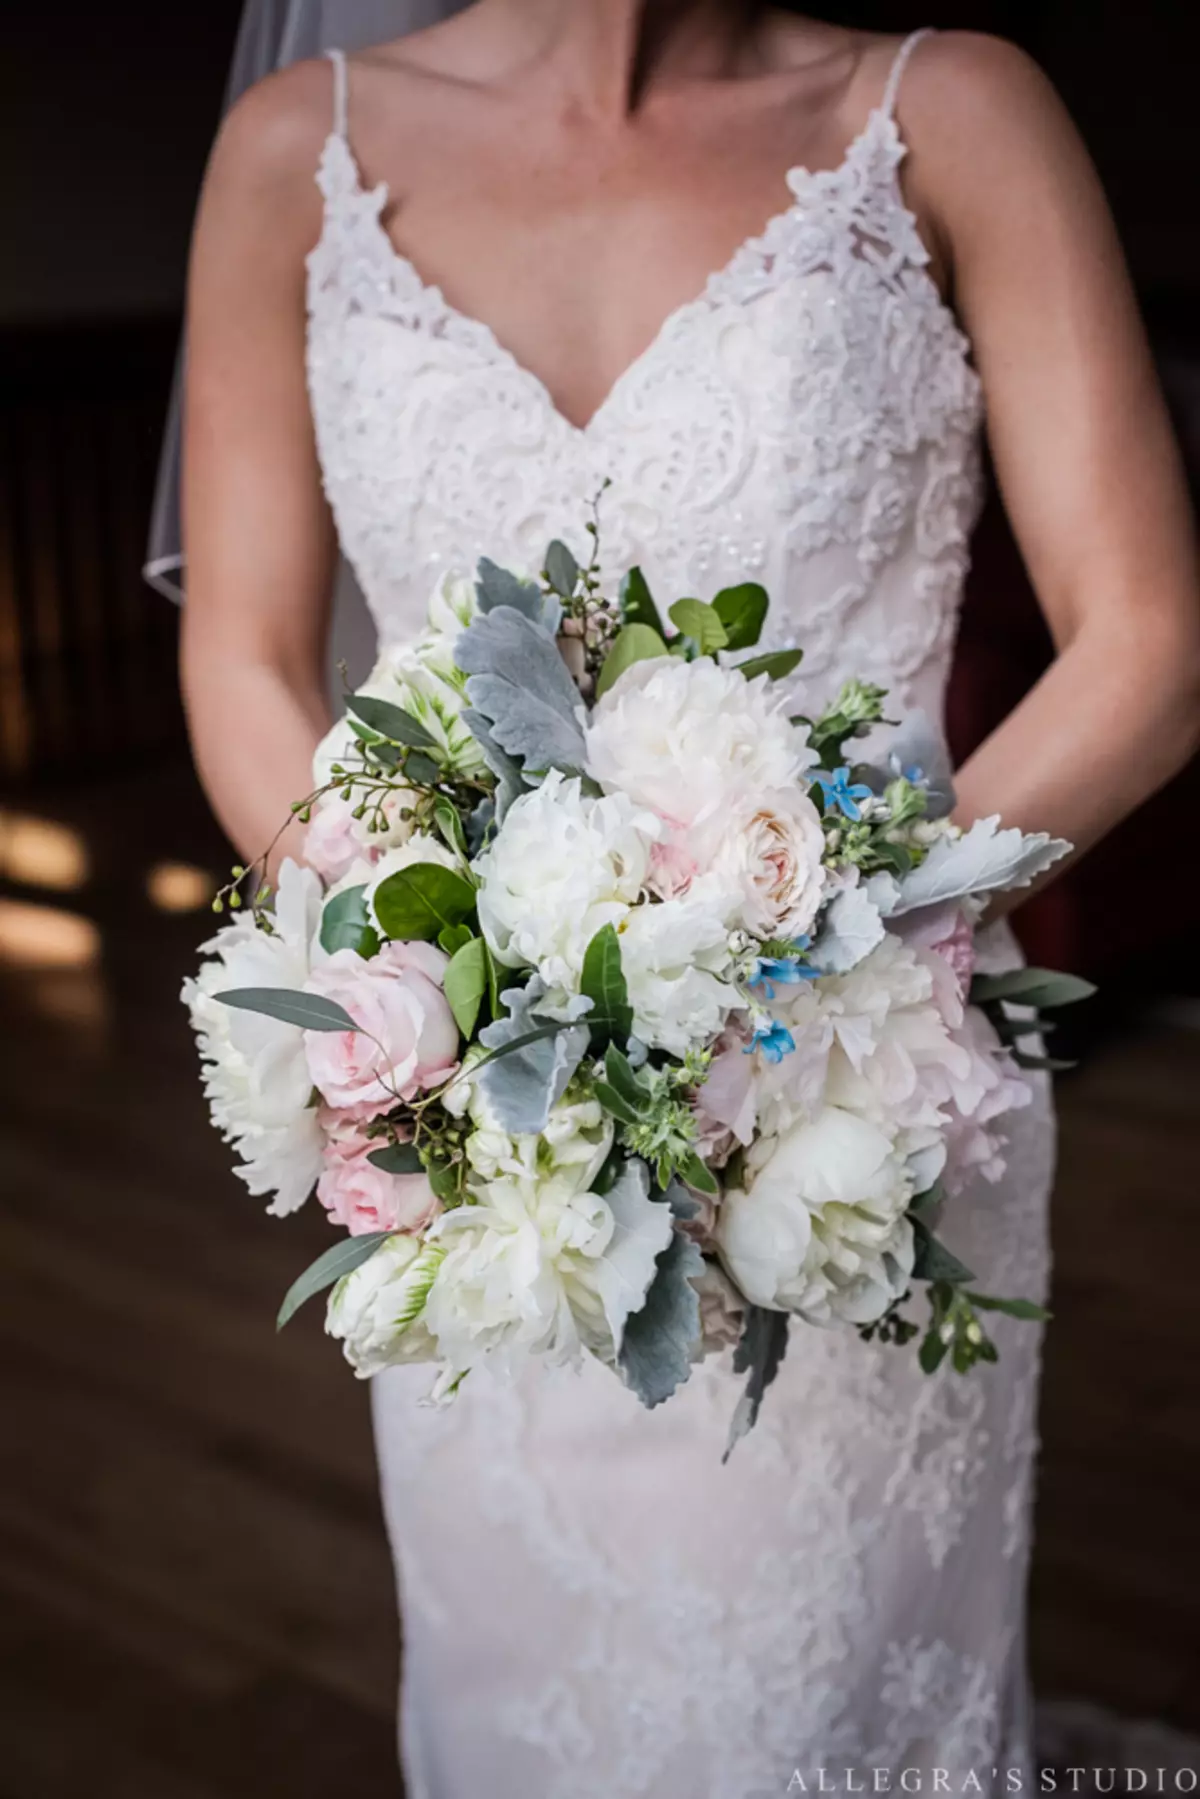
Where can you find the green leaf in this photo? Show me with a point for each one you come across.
(633, 643)
(421, 771)
(776, 663)
(697, 1175)
(493, 981)
(616, 1103)
(392, 722)
(933, 1349)
(1039, 987)
(562, 570)
(417, 902)
(397, 1158)
(637, 603)
(292, 1006)
(342, 1259)
(760, 1351)
(602, 980)
(621, 1076)
(346, 925)
(450, 826)
(1049, 1064)
(925, 1205)
(701, 623)
(465, 983)
(1013, 1308)
(452, 937)
(934, 1262)
(743, 612)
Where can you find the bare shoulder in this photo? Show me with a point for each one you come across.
(270, 141)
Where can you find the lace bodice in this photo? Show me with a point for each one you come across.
(809, 420)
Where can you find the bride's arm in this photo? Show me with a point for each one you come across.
(1084, 453)
(258, 537)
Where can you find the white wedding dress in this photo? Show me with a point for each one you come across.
(594, 1607)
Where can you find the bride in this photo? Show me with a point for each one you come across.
(763, 277)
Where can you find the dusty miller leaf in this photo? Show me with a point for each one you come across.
(517, 679)
(496, 587)
(851, 929)
(656, 1351)
(522, 1087)
(985, 859)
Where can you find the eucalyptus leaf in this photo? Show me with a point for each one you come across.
(421, 770)
(701, 623)
(291, 1005)
(932, 1351)
(633, 643)
(465, 982)
(1012, 1308)
(345, 924)
(602, 980)
(742, 611)
(562, 570)
(391, 721)
(637, 603)
(519, 682)
(1038, 987)
(342, 1259)
(1044, 1064)
(759, 1353)
(659, 1340)
(451, 937)
(417, 902)
(775, 663)
(985, 859)
(397, 1158)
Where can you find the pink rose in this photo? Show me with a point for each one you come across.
(408, 1041)
(360, 1196)
(331, 843)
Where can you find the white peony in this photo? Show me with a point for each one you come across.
(693, 741)
(256, 1076)
(561, 867)
(376, 1309)
(674, 955)
(540, 1267)
(821, 1230)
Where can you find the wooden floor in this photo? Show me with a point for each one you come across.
(195, 1594)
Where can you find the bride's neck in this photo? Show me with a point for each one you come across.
(610, 51)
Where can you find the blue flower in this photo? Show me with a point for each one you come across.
(914, 774)
(787, 971)
(774, 1040)
(838, 792)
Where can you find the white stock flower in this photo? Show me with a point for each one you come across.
(376, 1309)
(256, 1075)
(673, 956)
(576, 1140)
(423, 677)
(694, 741)
(821, 1230)
(561, 867)
(540, 1267)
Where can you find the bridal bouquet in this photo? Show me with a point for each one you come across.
(619, 1012)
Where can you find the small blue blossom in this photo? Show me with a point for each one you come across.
(838, 792)
(774, 1040)
(914, 774)
(786, 971)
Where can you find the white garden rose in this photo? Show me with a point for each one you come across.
(540, 1267)
(562, 866)
(821, 1229)
(376, 1309)
(256, 1075)
(763, 860)
(693, 741)
(674, 955)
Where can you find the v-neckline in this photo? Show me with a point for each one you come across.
(375, 201)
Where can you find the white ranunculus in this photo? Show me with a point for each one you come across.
(766, 857)
(561, 867)
(694, 741)
(540, 1267)
(821, 1230)
(376, 1310)
(674, 955)
(421, 846)
(255, 1073)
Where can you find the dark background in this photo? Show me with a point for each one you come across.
(195, 1597)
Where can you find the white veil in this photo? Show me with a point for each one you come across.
(272, 34)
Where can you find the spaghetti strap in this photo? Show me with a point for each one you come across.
(340, 93)
(888, 104)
